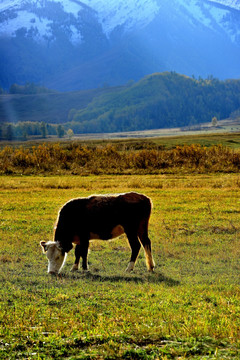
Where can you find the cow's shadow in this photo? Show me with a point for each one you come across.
(154, 278)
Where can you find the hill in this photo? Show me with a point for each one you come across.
(161, 100)
(49, 107)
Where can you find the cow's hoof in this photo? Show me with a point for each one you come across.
(74, 268)
(130, 267)
(53, 273)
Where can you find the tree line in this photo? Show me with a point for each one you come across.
(23, 130)
(29, 88)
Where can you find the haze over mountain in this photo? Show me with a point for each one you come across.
(70, 44)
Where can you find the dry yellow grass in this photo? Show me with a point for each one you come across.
(77, 159)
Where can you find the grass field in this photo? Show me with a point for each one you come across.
(189, 308)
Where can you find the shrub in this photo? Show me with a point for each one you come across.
(79, 159)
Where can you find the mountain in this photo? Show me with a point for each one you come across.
(70, 45)
(230, 3)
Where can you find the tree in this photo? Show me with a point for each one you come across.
(14, 89)
(214, 121)
(60, 131)
(9, 132)
(43, 129)
(70, 133)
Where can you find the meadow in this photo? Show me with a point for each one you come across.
(189, 308)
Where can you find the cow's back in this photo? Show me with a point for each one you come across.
(120, 206)
(100, 214)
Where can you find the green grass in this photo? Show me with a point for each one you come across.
(140, 140)
(151, 139)
(231, 140)
(189, 308)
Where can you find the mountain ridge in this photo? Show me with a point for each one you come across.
(234, 4)
(73, 45)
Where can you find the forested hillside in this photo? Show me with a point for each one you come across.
(160, 100)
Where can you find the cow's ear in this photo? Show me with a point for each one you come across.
(44, 246)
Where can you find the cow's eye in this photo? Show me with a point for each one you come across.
(57, 257)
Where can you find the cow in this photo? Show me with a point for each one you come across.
(100, 217)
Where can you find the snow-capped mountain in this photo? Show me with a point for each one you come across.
(37, 16)
(230, 3)
(72, 44)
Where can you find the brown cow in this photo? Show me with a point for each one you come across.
(100, 217)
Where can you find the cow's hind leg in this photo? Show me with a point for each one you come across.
(146, 242)
(77, 258)
(135, 246)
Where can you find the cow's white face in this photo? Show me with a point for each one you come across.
(55, 256)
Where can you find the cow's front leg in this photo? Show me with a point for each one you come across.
(84, 254)
(77, 258)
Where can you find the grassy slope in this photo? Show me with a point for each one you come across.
(231, 140)
(50, 108)
(189, 307)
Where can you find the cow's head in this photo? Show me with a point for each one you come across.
(55, 255)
